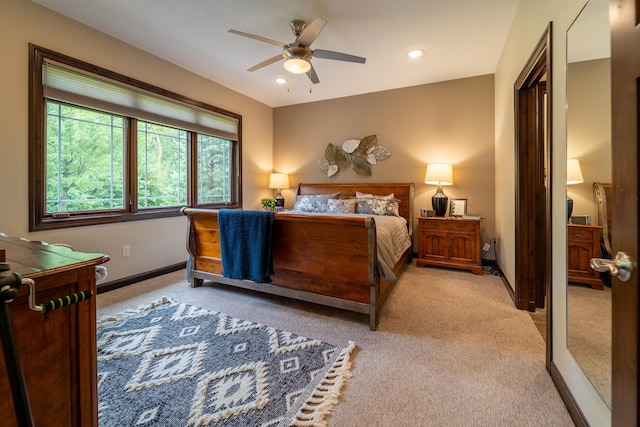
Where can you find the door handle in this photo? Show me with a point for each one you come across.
(621, 266)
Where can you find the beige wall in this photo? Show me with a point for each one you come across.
(530, 22)
(156, 243)
(532, 17)
(589, 130)
(448, 122)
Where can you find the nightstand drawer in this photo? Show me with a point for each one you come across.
(582, 233)
(454, 225)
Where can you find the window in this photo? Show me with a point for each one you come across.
(85, 159)
(106, 148)
(162, 166)
(215, 162)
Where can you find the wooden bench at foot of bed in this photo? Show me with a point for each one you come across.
(325, 260)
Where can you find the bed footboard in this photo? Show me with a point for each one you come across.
(329, 260)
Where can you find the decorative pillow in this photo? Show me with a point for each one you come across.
(374, 206)
(342, 205)
(360, 195)
(314, 203)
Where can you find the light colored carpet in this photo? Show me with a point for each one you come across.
(450, 350)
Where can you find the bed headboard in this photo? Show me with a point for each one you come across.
(401, 191)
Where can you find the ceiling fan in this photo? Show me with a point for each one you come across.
(297, 55)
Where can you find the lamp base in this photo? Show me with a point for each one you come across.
(439, 202)
(569, 207)
(279, 202)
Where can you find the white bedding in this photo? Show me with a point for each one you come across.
(392, 238)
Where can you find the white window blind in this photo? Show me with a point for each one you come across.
(64, 83)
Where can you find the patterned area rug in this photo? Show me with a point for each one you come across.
(172, 364)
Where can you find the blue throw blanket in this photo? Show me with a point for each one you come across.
(245, 244)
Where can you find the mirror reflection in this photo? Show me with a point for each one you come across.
(589, 150)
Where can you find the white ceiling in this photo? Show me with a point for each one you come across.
(461, 38)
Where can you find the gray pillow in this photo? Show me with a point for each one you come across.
(314, 203)
(375, 206)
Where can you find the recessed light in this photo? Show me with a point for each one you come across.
(415, 53)
(281, 81)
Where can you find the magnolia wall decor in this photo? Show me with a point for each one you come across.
(361, 154)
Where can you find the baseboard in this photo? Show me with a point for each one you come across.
(507, 286)
(567, 397)
(125, 281)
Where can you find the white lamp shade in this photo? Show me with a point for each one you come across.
(297, 65)
(439, 174)
(574, 172)
(279, 180)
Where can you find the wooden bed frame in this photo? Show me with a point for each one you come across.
(325, 260)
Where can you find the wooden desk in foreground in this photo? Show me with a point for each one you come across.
(57, 349)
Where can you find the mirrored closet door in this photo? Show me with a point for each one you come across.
(589, 186)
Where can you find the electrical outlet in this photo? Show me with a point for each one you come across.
(126, 251)
(486, 247)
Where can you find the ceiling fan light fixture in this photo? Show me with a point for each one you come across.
(297, 65)
(297, 55)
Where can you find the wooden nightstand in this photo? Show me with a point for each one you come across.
(583, 243)
(449, 242)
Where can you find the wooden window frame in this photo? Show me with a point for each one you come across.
(38, 217)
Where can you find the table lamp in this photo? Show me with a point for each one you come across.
(279, 181)
(439, 174)
(574, 176)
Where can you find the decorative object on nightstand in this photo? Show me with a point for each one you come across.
(439, 174)
(449, 242)
(279, 181)
(268, 203)
(458, 207)
(427, 212)
(574, 176)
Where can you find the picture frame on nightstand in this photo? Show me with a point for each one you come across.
(458, 207)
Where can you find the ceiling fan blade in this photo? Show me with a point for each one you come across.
(259, 38)
(311, 31)
(329, 54)
(312, 75)
(265, 63)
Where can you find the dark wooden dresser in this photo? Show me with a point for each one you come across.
(57, 349)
